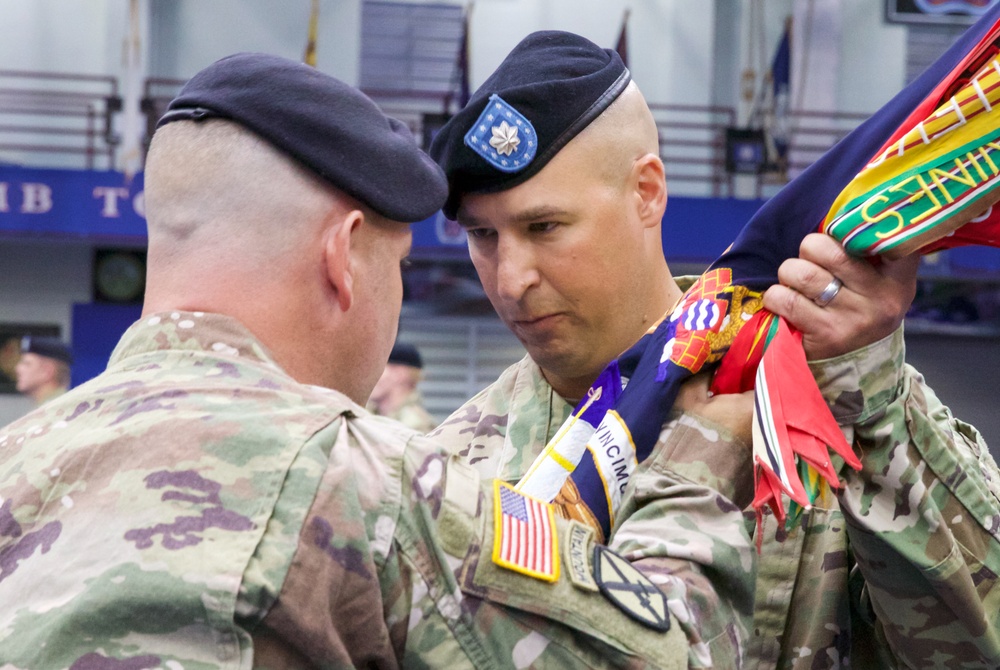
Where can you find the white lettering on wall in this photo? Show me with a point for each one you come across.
(36, 198)
(111, 194)
(4, 207)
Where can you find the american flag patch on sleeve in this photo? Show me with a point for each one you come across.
(525, 538)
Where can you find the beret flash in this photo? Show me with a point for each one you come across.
(331, 128)
(548, 89)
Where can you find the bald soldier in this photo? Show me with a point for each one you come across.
(554, 171)
(220, 498)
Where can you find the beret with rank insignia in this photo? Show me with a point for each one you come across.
(548, 89)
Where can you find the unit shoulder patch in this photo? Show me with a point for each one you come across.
(630, 590)
(579, 540)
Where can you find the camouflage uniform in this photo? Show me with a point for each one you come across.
(502, 429)
(899, 570)
(195, 507)
(905, 559)
(411, 413)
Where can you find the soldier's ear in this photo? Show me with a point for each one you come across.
(650, 185)
(337, 257)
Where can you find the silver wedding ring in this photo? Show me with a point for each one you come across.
(829, 293)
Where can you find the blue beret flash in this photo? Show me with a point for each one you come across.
(503, 136)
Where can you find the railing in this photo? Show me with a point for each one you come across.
(693, 145)
(813, 133)
(157, 92)
(47, 114)
(53, 117)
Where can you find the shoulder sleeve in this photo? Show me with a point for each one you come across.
(923, 513)
(678, 522)
(546, 608)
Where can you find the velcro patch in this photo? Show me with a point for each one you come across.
(525, 537)
(503, 136)
(630, 590)
(579, 539)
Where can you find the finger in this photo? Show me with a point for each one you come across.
(796, 308)
(804, 276)
(693, 393)
(828, 254)
(732, 411)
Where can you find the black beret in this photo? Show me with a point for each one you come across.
(332, 128)
(405, 354)
(548, 89)
(49, 347)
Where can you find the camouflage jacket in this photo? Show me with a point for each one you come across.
(906, 559)
(502, 429)
(195, 507)
(907, 578)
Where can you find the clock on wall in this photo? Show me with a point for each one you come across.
(119, 275)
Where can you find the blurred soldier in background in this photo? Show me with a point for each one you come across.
(395, 394)
(43, 369)
(10, 354)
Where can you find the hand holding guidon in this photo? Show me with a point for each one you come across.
(926, 180)
(919, 176)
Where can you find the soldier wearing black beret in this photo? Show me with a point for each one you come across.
(43, 370)
(554, 171)
(219, 496)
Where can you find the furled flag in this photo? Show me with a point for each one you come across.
(778, 121)
(621, 46)
(909, 179)
(133, 126)
(309, 57)
(462, 60)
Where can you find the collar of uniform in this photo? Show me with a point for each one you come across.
(221, 335)
(534, 406)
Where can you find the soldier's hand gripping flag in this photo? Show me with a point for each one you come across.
(920, 175)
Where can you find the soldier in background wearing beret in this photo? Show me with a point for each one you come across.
(395, 394)
(43, 368)
(220, 498)
(554, 172)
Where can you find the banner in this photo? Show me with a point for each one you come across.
(103, 205)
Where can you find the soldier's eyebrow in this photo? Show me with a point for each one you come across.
(540, 213)
(532, 214)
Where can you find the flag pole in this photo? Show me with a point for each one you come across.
(461, 66)
(622, 45)
(309, 57)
